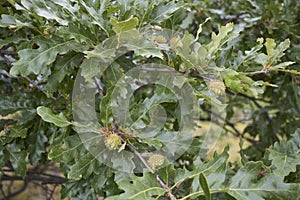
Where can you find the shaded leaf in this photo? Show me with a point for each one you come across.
(63, 67)
(215, 171)
(285, 155)
(67, 151)
(139, 188)
(45, 9)
(84, 167)
(37, 61)
(18, 132)
(18, 157)
(205, 187)
(247, 184)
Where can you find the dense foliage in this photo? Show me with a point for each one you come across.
(127, 98)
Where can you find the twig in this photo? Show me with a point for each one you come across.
(31, 176)
(140, 157)
(2, 192)
(8, 62)
(100, 91)
(248, 97)
(5, 52)
(228, 123)
(52, 192)
(38, 87)
(19, 191)
(256, 72)
(259, 106)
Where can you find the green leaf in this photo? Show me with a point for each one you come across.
(96, 12)
(163, 12)
(84, 167)
(215, 171)
(80, 33)
(218, 40)
(18, 158)
(37, 61)
(241, 83)
(282, 65)
(119, 27)
(9, 40)
(270, 46)
(90, 68)
(247, 184)
(285, 155)
(139, 188)
(69, 150)
(47, 115)
(143, 47)
(205, 187)
(18, 132)
(48, 10)
(7, 20)
(123, 161)
(102, 52)
(274, 54)
(63, 67)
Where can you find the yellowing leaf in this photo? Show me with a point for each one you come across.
(270, 46)
(119, 27)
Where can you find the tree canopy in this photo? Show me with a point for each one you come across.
(126, 99)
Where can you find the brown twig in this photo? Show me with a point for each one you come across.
(230, 124)
(256, 72)
(38, 87)
(100, 91)
(248, 97)
(6, 52)
(9, 64)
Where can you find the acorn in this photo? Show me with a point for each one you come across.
(175, 42)
(155, 161)
(113, 141)
(216, 86)
(161, 39)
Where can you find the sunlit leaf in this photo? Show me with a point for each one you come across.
(48, 116)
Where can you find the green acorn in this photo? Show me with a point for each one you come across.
(113, 141)
(175, 42)
(216, 86)
(155, 161)
(161, 39)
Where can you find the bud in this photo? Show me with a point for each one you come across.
(217, 87)
(155, 161)
(113, 141)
